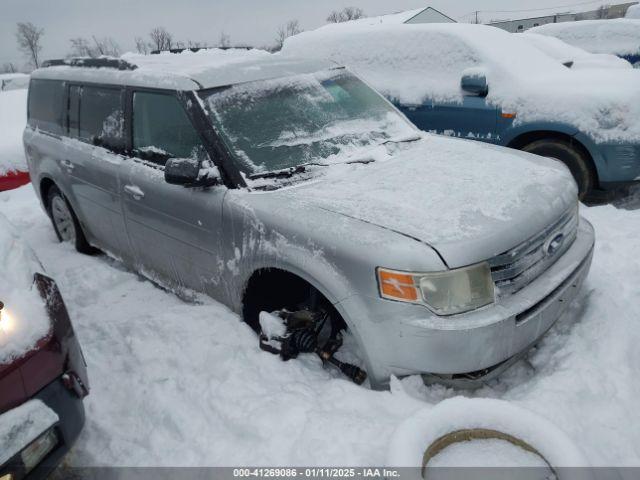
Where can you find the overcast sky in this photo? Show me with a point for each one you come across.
(246, 21)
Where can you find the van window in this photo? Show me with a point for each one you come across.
(160, 125)
(101, 119)
(46, 105)
(74, 111)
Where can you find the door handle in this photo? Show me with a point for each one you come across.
(67, 164)
(134, 191)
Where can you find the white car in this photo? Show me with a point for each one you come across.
(573, 57)
(620, 37)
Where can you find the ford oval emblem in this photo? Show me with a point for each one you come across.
(554, 244)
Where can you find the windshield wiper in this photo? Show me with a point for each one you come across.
(286, 172)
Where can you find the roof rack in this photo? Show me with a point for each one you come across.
(87, 62)
(196, 49)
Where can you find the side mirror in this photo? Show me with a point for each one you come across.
(181, 171)
(190, 173)
(475, 84)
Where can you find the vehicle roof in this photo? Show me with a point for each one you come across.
(189, 70)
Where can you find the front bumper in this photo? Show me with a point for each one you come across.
(404, 339)
(70, 412)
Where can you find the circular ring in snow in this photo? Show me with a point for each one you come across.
(422, 436)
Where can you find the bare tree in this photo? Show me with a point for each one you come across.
(29, 41)
(224, 41)
(289, 29)
(8, 67)
(161, 39)
(346, 14)
(81, 47)
(141, 45)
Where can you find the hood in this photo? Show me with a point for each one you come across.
(467, 200)
(602, 103)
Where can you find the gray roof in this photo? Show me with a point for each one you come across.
(190, 70)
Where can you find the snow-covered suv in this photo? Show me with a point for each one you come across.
(289, 185)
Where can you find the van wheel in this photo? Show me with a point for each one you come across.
(65, 222)
(574, 159)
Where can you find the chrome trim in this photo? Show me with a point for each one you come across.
(515, 269)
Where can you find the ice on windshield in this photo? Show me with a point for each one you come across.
(322, 117)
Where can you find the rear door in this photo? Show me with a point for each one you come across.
(175, 230)
(93, 161)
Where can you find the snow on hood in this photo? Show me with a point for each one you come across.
(620, 36)
(412, 64)
(467, 200)
(24, 319)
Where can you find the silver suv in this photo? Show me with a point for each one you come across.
(291, 186)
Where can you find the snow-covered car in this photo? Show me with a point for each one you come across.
(573, 57)
(633, 12)
(13, 81)
(480, 82)
(283, 185)
(13, 118)
(43, 374)
(620, 36)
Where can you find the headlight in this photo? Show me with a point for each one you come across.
(445, 293)
(6, 321)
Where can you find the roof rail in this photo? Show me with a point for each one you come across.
(196, 49)
(87, 62)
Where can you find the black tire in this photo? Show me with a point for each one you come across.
(65, 222)
(576, 160)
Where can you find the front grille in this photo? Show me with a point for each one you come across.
(515, 269)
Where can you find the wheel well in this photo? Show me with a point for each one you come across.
(271, 289)
(45, 186)
(526, 138)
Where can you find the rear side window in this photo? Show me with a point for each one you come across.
(46, 105)
(161, 125)
(100, 119)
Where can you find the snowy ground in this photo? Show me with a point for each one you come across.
(177, 383)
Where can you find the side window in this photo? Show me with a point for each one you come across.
(101, 119)
(46, 105)
(161, 128)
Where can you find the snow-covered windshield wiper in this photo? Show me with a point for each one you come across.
(286, 172)
(409, 138)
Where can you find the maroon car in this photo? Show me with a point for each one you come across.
(43, 375)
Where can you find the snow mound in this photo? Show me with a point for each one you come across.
(418, 432)
(633, 12)
(424, 63)
(24, 320)
(18, 427)
(620, 36)
(13, 118)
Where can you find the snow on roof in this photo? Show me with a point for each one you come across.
(620, 36)
(190, 70)
(398, 18)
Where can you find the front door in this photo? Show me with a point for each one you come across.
(175, 230)
(474, 118)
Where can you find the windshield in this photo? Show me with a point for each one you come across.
(271, 125)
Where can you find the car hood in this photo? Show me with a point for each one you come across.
(469, 201)
(602, 103)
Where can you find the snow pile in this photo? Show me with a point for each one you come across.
(563, 52)
(13, 118)
(633, 12)
(24, 320)
(620, 36)
(418, 432)
(21, 425)
(414, 64)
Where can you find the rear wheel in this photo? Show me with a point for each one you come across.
(576, 160)
(65, 222)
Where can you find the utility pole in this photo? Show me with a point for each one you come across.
(476, 17)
